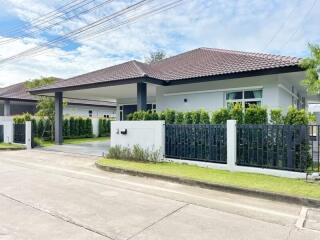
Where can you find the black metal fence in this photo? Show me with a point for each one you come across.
(1, 134)
(201, 142)
(284, 147)
(19, 135)
(314, 143)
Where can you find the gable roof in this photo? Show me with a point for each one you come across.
(198, 63)
(19, 92)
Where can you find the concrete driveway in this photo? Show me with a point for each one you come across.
(90, 148)
(54, 195)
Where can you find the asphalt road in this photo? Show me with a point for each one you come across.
(52, 195)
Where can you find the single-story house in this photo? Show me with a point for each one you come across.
(16, 99)
(202, 78)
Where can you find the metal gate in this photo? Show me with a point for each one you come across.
(19, 133)
(199, 142)
(1, 133)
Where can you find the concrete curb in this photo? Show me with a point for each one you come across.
(309, 202)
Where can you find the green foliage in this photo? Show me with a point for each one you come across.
(136, 153)
(179, 118)
(236, 113)
(155, 116)
(296, 117)
(276, 116)
(170, 116)
(188, 118)
(36, 83)
(22, 118)
(220, 116)
(204, 117)
(312, 66)
(162, 116)
(130, 117)
(104, 127)
(196, 117)
(155, 56)
(256, 115)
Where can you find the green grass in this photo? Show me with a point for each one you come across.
(9, 146)
(73, 141)
(293, 187)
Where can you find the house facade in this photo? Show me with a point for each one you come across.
(15, 100)
(203, 78)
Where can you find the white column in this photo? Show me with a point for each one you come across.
(7, 131)
(95, 126)
(231, 144)
(28, 134)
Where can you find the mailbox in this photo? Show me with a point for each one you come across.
(124, 131)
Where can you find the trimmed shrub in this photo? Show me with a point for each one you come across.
(255, 115)
(179, 118)
(204, 117)
(170, 116)
(196, 117)
(162, 116)
(220, 116)
(155, 116)
(188, 118)
(89, 132)
(296, 117)
(276, 116)
(236, 113)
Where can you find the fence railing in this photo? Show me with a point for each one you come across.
(1, 134)
(314, 143)
(19, 135)
(203, 142)
(284, 147)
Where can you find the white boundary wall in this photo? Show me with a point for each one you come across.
(151, 135)
(147, 134)
(8, 132)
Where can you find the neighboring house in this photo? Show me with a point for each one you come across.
(15, 99)
(202, 78)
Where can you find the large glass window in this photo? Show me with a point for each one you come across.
(245, 97)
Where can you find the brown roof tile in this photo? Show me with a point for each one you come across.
(201, 62)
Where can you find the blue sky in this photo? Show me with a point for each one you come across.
(272, 26)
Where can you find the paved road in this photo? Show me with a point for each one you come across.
(52, 195)
(89, 148)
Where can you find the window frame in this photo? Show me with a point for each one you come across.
(244, 100)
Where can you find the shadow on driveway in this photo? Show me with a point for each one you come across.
(90, 148)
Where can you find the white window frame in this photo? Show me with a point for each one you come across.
(243, 101)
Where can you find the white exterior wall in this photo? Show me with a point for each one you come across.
(211, 95)
(83, 111)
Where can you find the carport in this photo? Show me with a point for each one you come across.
(124, 82)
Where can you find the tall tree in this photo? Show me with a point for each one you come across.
(40, 82)
(312, 66)
(156, 56)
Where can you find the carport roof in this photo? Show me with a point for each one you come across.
(193, 65)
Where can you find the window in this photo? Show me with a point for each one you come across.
(245, 97)
(90, 113)
(154, 107)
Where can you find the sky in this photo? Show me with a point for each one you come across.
(283, 27)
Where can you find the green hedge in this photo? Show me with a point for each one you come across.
(104, 127)
(252, 115)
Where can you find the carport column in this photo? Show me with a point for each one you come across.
(7, 108)
(141, 96)
(58, 118)
(231, 144)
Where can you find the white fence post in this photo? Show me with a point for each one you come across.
(95, 126)
(28, 134)
(231, 144)
(7, 131)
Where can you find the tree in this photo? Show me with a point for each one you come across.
(40, 82)
(155, 56)
(312, 66)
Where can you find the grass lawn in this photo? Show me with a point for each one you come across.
(8, 146)
(74, 141)
(293, 187)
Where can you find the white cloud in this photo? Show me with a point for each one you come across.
(241, 25)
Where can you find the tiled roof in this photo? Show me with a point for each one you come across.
(19, 92)
(201, 62)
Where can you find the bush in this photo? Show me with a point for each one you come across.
(196, 117)
(276, 116)
(236, 113)
(170, 116)
(220, 116)
(296, 117)
(188, 118)
(22, 118)
(255, 115)
(179, 118)
(155, 116)
(204, 117)
(136, 153)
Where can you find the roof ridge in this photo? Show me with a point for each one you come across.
(135, 62)
(171, 57)
(248, 53)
